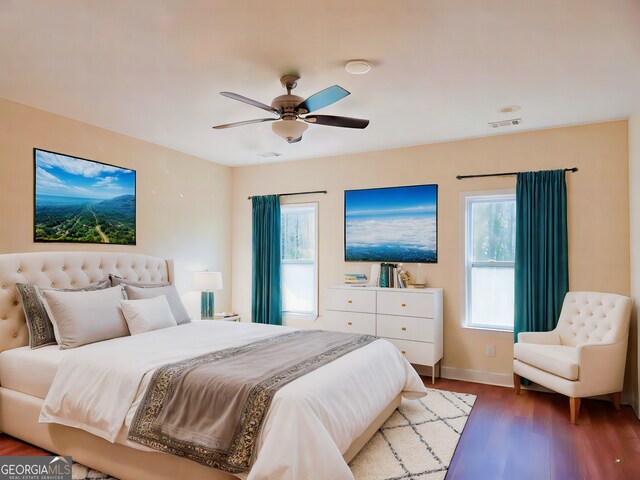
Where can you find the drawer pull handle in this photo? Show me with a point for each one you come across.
(349, 301)
(404, 329)
(403, 352)
(349, 323)
(404, 304)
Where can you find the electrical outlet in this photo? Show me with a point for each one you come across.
(490, 350)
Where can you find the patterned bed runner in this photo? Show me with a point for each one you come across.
(210, 408)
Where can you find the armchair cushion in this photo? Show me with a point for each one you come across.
(544, 338)
(556, 359)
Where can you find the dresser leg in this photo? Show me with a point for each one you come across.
(433, 372)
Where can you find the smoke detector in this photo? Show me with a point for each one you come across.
(358, 67)
(506, 123)
(510, 109)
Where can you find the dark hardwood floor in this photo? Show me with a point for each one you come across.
(522, 437)
(530, 436)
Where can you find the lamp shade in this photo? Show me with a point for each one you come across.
(207, 281)
(289, 129)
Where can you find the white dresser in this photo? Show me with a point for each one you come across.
(409, 318)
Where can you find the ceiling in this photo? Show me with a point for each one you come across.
(152, 69)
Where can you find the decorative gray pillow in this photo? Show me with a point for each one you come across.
(173, 297)
(86, 317)
(115, 280)
(41, 330)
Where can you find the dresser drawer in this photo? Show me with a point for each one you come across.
(416, 352)
(351, 322)
(351, 300)
(405, 304)
(406, 328)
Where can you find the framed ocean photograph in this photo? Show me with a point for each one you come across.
(82, 201)
(393, 224)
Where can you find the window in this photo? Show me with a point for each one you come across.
(299, 246)
(490, 247)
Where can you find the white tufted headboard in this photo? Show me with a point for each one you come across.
(65, 270)
(590, 317)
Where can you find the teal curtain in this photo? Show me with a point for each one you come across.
(541, 266)
(266, 305)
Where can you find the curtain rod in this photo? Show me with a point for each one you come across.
(505, 174)
(296, 193)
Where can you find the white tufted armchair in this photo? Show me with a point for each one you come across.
(585, 355)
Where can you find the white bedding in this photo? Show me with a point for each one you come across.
(310, 423)
(30, 371)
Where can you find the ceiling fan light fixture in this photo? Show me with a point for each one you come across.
(289, 129)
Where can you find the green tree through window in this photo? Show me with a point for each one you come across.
(494, 233)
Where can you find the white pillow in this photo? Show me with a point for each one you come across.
(147, 314)
(173, 297)
(86, 317)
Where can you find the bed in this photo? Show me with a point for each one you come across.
(316, 423)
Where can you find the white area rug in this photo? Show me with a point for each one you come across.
(81, 472)
(416, 443)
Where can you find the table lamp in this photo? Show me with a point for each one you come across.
(207, 282)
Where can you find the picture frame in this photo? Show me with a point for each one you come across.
(78, 200)
(391, 224)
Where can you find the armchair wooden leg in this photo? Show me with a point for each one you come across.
(615, 398)
(574, 404)
(516, 383)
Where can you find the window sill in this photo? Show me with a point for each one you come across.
(496, 332)
(307, 317)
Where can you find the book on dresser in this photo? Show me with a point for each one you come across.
(411, 319)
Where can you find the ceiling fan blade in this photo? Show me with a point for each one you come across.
(249, 101)
(295, 140)
(322, 99)
(246, 122)
(335, 121)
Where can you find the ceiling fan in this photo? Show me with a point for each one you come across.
(292, 112)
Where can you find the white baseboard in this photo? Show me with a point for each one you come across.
(478, 376)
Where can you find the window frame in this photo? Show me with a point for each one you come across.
(466, 245)
(293, 315)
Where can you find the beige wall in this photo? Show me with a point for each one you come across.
(183, 203)
(185, 206)
(634, 203)
(598, 213)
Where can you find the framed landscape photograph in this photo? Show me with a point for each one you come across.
(393, 224)
(82, 201)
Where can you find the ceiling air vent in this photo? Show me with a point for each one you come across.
(505, 123)
(269, 154)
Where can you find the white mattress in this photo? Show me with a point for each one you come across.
(30, 371)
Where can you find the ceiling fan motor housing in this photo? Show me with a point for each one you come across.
(287, 104)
